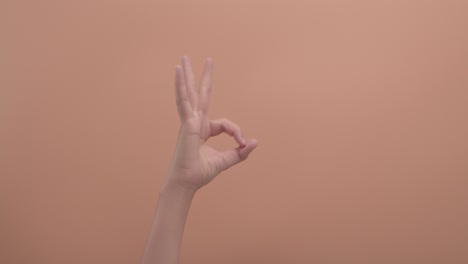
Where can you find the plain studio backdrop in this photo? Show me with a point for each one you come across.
(360, 109)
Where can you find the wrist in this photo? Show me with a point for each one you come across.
(178, 190)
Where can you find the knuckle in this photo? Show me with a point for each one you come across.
(241, 156)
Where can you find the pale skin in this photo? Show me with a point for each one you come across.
(194, 164)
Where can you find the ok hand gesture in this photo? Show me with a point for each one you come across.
(195, 164)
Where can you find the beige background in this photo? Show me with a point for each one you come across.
(359, 107)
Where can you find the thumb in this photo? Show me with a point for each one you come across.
(233, 156)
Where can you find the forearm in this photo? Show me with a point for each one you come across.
(164, 241)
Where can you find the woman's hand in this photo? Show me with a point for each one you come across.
(195, 164)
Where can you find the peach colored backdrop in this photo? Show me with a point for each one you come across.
(359, 107)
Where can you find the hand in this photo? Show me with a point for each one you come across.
(195, 164)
